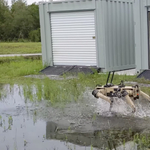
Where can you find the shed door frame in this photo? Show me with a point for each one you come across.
(148, 25)
(96, 51)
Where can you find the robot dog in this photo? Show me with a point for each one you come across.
(129, 93)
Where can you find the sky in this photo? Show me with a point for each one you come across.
(29, 2)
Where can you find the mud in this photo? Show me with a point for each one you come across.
(52, 77)
(86, 124)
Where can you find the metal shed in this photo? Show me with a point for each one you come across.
(142, 33)
(88, 33)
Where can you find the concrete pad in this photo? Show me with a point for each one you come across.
(127, 72)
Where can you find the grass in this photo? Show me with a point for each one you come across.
(116, 138)
(20, 48)
(64, 91)
(14, 69)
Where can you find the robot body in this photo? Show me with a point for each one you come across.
(129, 93)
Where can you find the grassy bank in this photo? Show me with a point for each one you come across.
(14, 69)
(20, 48)
(18, 67)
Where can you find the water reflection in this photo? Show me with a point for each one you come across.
(24, 134)
(105, 139)
(22, 129)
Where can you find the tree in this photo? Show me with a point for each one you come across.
(22, 21)
(33, 10)
(4, 12)
(19, 22)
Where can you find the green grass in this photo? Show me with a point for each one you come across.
(59, 92)
(13, 70)
(67, 90)
(20, 48)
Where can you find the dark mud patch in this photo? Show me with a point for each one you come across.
(84, 124)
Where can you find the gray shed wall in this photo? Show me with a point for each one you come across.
(141, 33)
(114, 26)
(116, 34)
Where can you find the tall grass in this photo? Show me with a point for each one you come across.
(64, 91)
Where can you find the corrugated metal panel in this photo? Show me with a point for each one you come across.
(119, 35)
(141, 33)
(71, 5)
(72, 28)
(146, 3)
(100, 33)
(72, 38)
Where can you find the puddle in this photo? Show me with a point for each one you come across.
(27, 134)
(20, 128)
(85, 125)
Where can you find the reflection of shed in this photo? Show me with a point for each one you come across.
(88, 33)
(101, 139)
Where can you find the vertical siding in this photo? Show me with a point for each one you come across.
(119, 35)
(42, 29)
(72, 38)
(146, 2)
(137, 31)
(100, 33)
(45, 10)
(114, 31)
(144, 34)
(131, 34)
(141, 33)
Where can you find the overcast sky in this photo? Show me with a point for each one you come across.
(28, 1)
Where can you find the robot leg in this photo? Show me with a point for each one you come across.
(145, 95)
(98, 94)
(129, 101)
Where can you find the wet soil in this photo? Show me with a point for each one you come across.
(86, 124)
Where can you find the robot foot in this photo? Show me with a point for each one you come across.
(134, 110)
(111, 104)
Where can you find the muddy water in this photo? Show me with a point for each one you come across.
(86, 124)
(20, 128)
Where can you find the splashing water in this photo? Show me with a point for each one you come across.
(120, 107)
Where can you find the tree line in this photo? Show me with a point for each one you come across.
(19, 22)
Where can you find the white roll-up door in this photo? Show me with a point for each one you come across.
(73, 38)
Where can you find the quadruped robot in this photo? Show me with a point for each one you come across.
(109, 91)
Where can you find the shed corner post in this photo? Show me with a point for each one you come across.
(141, 34)
(45, 34)
(137, 34)
(42, 31)
(100, 32)
(96, 34)
(48, 33)
(144, 27)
